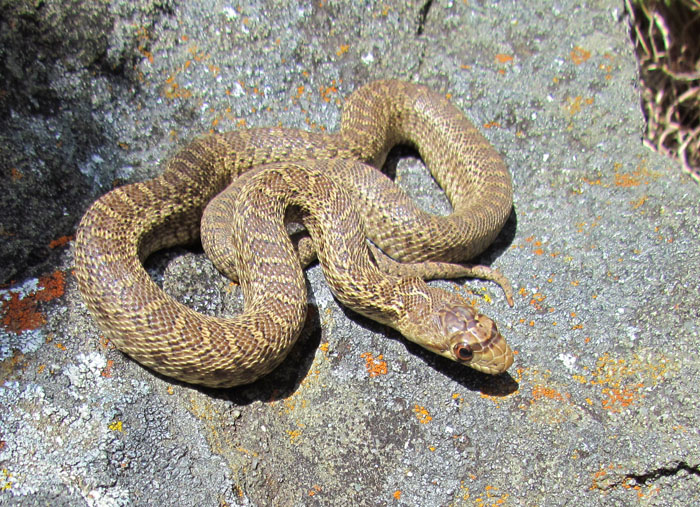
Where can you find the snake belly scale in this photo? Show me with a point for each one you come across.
(385, 283)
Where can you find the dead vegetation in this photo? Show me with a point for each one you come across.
(666, 34)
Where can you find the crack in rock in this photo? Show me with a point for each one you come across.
(422, 16)
(644, 478)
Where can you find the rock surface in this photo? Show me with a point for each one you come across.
(602, 402)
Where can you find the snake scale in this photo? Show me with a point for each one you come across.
(324, 181)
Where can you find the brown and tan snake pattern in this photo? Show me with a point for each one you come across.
(305, 173)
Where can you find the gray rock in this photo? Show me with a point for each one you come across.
(600, 407)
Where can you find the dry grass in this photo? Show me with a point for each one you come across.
(666, 34)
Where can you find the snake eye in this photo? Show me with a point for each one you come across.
(463, 352)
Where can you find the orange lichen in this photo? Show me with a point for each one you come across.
(143, 36)
(622, 381)
(107, 370)
(492, 497)
(601, 480)
(197, 54)
(173, 91)
(633, 179)
(53, 285)
(503, 58)
(328, 91)
(11, 365)
(146, 53)
(617, 399)
(21, 313)
(597, 476)
(536, 299)
(105, 343)
(540, 391)
(536, 245)
(422, 414)
(592, 181)
(16, 174)
(579, 55)
(574, 105)
(641, 175)
(375, 366)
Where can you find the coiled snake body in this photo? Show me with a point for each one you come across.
(304, 171)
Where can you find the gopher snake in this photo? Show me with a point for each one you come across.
(129, 223)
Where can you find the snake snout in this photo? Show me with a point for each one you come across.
(495, 357)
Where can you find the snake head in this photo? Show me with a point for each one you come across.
(443, 323)
(472, 339)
